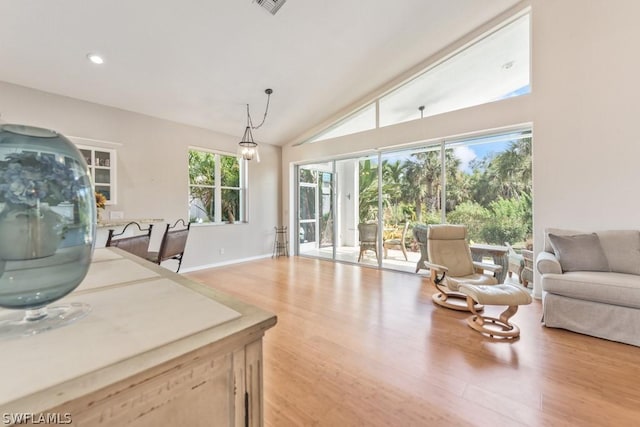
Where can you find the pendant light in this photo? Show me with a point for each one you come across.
(247, 147)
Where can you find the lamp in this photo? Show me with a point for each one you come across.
(247, 147)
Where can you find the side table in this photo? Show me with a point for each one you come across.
(500, 255)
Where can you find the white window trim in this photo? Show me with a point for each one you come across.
(217, 188)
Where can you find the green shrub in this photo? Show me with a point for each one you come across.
(508, 223)
(474, 216)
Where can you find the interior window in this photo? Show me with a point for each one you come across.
(216, 188)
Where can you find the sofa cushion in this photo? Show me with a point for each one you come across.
(622, 249)
(557, 232)
(580, 252)
(604, 287)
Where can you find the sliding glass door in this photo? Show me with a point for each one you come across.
(315, 210)
(363, 209)
(334, 198)
(366, 208)
(411, 194)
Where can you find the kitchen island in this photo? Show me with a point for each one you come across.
(157, 349)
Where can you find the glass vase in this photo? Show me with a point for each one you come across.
(47, 229)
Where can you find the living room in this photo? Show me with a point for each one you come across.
(580, 109)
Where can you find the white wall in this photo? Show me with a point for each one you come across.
(153, 171)
(584, 112)
(586, 146)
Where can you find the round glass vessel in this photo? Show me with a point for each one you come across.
(47, 228)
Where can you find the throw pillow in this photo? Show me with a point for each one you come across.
(580, 252)
(622, 248)
(557, 232)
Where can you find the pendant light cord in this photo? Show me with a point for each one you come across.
(266, 110)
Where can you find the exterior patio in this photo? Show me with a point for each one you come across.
(394, 261)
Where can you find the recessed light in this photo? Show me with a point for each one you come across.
(95, 58)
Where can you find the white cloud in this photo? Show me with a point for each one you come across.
(466, 155)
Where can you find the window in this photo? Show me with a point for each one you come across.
(362, 120)
(216, 187)
(489, 187)
(493, 68)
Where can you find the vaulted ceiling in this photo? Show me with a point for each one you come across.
(199, 62)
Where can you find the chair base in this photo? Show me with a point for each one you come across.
(493, 327)
(509, 295)
(453, 300)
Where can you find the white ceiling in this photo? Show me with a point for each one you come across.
(199, 62)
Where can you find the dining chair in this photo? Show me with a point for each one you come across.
(137, 244)
(174, 242)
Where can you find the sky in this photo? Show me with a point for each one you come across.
(466, 153)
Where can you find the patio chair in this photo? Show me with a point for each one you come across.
(420, 235)
(527, 270)
(397, 243)
(368, 238)
(516, 262)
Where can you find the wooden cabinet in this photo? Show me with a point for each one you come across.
(203, 388)
(102, 164)
(157, 349)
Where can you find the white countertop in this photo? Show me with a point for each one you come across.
(120, 222)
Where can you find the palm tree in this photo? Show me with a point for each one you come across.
(424, 179)
(457, 181)
(392, 177)
(506, 174)
(412, 187)
(368, 187)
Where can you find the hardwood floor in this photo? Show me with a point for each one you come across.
(356, 346)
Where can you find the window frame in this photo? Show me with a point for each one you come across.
(219, 217)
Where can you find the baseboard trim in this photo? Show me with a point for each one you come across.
(223, 263)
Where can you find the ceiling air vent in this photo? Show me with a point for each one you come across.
(272, 6)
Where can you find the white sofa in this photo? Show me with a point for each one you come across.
(604, 304)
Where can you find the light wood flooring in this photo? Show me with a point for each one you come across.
(356, 346)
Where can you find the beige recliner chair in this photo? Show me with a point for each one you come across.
(450, 264)
(464, 286)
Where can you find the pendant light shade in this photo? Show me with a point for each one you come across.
(247, 147)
